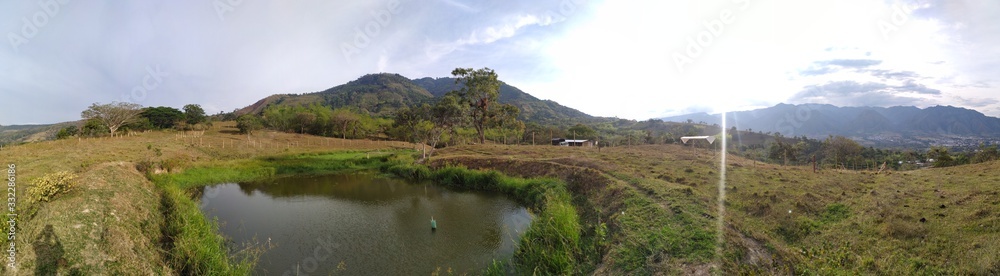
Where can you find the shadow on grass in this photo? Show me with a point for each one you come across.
(49, 252)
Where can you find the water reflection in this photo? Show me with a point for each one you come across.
(369, 225)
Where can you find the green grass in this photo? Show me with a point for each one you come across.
(195, 246)
(639, 210)
(848, 222)
(551, 244)
(651, 230)
(243, 170)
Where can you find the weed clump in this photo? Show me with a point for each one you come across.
(47, 187)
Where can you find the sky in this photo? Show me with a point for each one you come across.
(626, 59)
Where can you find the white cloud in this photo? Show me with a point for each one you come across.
(459, 5)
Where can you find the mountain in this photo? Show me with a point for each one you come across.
(871, 123)
(381, 94)
(532, 108)
(377, 94)
(14, 134)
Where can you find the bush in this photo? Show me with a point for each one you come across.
(172, 164)
(50, 185)
(146, 167)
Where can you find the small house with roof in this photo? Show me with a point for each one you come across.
(571, 142)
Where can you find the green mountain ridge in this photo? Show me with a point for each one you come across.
(382, 94)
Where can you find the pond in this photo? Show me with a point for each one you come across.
(364, 224)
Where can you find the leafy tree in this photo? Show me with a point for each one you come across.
(67, 132)
(113, 115)
(986, 154)
(447, 115)
(162, 117)
(304, 120)
(278, 117)
(140, 124)
(581, 131)
(449, 111)
(841, 149)
(940, 156)
(345, 119)
(480, 90)
(194, 114)
(406, 120)
(249, 123)
(779, 149)
(505, 120)
(93, 128)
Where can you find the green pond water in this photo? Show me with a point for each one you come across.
(363, 224)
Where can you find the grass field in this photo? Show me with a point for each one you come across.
(779, 220)
(114, 221)
(639, 210)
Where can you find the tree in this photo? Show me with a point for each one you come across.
(940, 156)
(194, 114)
(986, 154)
(139, 124)
(162, 117)
(344, 118)
(67, 132)
(93, 128)
(581, 131)
(113, 115)
(248, 123)
(304, 120)
(505, 120)
(446, 115)
(841, 148)
(781, 150)
(406, 120)
(480, 90)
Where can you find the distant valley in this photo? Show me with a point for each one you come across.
(901, 126)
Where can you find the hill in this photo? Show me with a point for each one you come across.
(14, 134)
(381, 94)
(878, 126)
(532, 108)
(376, 94)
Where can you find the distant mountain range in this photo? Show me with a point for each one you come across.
(381, 94)
(821, 120)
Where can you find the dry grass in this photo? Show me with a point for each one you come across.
(830, 222)
(780, 220)
(109, 222)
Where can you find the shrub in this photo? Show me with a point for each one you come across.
(146, 167)
(50, 185)
(794, 230)
(172, 164)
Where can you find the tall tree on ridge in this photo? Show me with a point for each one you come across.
(481, 91)
(113, 115)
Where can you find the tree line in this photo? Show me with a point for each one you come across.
(112, 118)
(473, 114)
